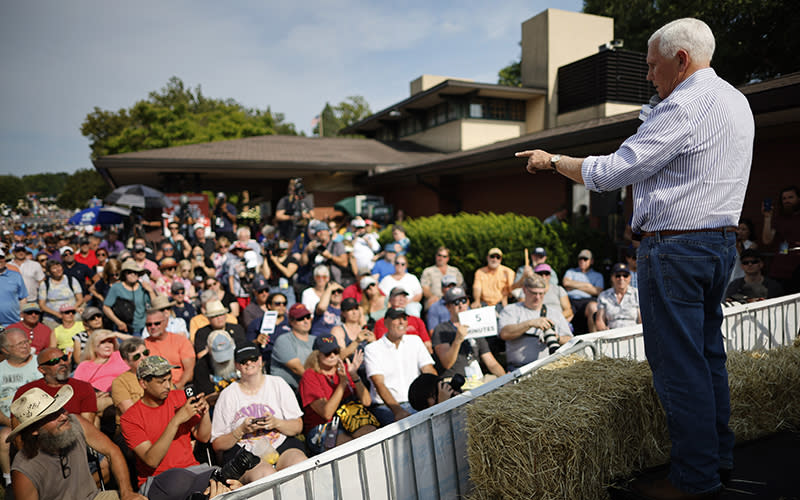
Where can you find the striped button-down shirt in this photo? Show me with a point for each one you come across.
(689, 162)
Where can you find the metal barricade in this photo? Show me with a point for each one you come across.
(424, 456)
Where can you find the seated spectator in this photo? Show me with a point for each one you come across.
(220, 258)
(57, 290)
(54, 366)
(365, 245)
(630, 259)
(401, 242)
(85, 255)
(311, 295)
(112, 243)
(183, 308)
(158, 429)
(428, 390)
(102, 259)
(201, 262)
(373, 302)
(125, 389)
(200, 320)
(67, 329)
(238, 267)
(293, 347)
(431, 279)
(493, 282)
(354, 290)
(174, 323)
(254, 408)
(258, 305)
(266, 340)
(353, 331)
(583, 285)
(103, 362)
(437, 312)
(618, 306)
(168, 267)
(186, 277)
(555, 296)
(53, 459)
(414, 325)
(752, 265)
(92, 319)
(18, 368)
(328, 312)
(327, 383)
(207, 368)
(174, 347)
(392, 363)
(129, 298)
(458, 354)
(385, 266)
(522, 325)
(109, 275)
(402, 278)
(41, 335)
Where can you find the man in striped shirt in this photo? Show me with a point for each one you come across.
(689, 163)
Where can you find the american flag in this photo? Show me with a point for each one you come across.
(315, 121)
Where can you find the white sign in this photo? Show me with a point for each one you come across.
(268, 322)
(480, 322)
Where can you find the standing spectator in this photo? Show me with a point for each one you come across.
(522, 325)
(57, 290)
(16, 370)
(125, 389)
(99, 289)
(618, 306)
(81, 272)
(40, 335)
(158, 429)
(689, 163)
(128, 299)
(294, 211)
(752, 267)
(86, 255)
(237, 270)
(280, 270)
(224, 217)
(492, 284)
(257, 407)
(431, 278)
(172, 346)
(458, 354)
(327, 383)
(393, 362)
(784, 229)
(558, 217)
(583, 285)
(31, 271)
(292, 349)
(324, 250)
(220, 258)
(408, 282)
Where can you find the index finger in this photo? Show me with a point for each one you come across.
(524, 154)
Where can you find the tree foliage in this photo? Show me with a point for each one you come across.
(334, 118)
(80, 187)
(511, 75)
(47, 185)
(174, 116)
(11, 189)
(755, 38)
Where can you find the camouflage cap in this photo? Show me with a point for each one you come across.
(155, 366)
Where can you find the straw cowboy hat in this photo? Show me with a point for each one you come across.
(131, 265)
(215, 308)
(160, 303)
(35, 405)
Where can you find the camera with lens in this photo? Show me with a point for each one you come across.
(271, 247)
(457, 382)
(236, 467)
(549, 337)
(299, 188)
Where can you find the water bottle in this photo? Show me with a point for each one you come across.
(263, 448)
(330, 434)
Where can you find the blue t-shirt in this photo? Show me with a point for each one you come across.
(438, 313)
(591, 276)
(383, 268)
(12, 290)
(323, 323)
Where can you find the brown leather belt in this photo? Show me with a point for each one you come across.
(674, 232)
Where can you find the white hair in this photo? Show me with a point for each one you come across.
(242, 231)
(321, 271)
(692, 35)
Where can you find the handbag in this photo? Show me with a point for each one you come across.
(354, 415)
(124, 310)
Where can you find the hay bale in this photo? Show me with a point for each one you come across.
(568, 433)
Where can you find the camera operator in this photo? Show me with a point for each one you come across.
(280, 269)
(428, 390)
(293, 211)
(224, 217)
(185, 215)
(322, 250)
(524, 327)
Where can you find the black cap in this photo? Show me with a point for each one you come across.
(349, 303)
(245, 353)
(392, 313)
(620, 267)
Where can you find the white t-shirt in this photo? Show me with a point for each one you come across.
(409, 282)
(233, 406)
(399, 365)
(310, 299)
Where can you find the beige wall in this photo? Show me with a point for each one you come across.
(446, 137)
(425, 82)
(555, 38)
(599, 111)
(477, 133)
(535, 114)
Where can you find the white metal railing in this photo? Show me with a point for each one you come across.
(424, 456)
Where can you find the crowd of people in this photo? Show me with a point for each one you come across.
(294, 341)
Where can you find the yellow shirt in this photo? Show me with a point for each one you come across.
(494, 283)
(64, 336)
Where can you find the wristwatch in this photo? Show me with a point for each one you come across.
(554, 161)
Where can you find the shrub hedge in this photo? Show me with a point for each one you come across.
(470, 236)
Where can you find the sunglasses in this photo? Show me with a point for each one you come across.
(621, 275)
(263, 291)
(401, 263)
(336, 291)
(142, 354)
(179, 292)
(303, 318)
(39, 313)
(750, 261)
(543, 273)
(55, 361)
(96, 316)
(154, 323)
(171, 268)
(442, 256)
(495, 256)
(459, 302)
(249, 360)
(102, 254)
(583, 258)
(168, 249)
(335, 351)
(68, 312)
(279, 304)
(370, 286)
(67, 253)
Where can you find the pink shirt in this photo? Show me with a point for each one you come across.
(101, 376)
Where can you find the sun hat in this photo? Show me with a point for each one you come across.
(35, 404)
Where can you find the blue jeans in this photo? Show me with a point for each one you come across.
(682, 283)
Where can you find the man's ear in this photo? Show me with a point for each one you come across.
(683, 60)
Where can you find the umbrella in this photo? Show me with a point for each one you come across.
(138, 195)
(103, 216)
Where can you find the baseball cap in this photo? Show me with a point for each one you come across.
(31, 306)
(585, 253)
(454, 294)
(20, 248)
(326, 343)
(366, 281)
(89, 312)
(448, 280)
(620, 267)
(495, 250)
(221, 346)
(349, 303)
(260, 284)
(543, 268)
(66, 249)
(358, 222)
(244, 353)
(389, 248)
(392, 313)
(298, 310)
(154, 366)
(398, 290)
(317, 225)
(539, 251)
(177, 285)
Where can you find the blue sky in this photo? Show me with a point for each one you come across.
(61, 59)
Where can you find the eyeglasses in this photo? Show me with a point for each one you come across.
(142, 354)
(96, 316)
(154, 323)
(495, 256)
(20, 344)
(55, 361)
(401, 263)
(65, 470)
(171, 268)
(444, 256)
(336, 291)
(249, 360)
(303, 318)
(622, 276)
(459, 302)
(750, 261)
(179, 292)
(278, 304)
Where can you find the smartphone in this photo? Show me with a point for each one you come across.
(767, 204)
(261, 420)
(189, 391)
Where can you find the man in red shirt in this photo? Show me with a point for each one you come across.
(398, 298)
(158, 428)
(40, 335)
(86, 255)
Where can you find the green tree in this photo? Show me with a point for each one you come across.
(334, 118)
(174, 116)
(11, 189)
(48, 184)
(511, 75)
(754, 38)
(80, 187)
